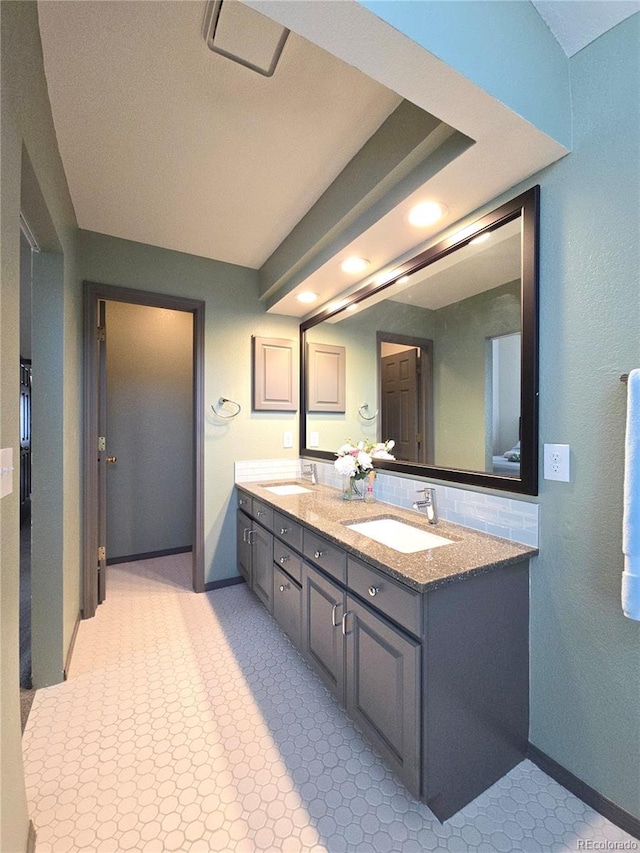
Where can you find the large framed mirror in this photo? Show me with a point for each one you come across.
(442, 358)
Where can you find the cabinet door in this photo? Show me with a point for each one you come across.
(383, 689)
(322, 640)
(262, 565)
(287, 605)
(242, 546)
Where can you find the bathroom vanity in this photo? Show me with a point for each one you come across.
(427, 650)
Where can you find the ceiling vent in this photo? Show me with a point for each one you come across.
(244, 35)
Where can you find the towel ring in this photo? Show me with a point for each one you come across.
(221, 402)
(364, 417)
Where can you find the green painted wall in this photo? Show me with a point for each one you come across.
(460, 372)
(233, 313)
(33, 180)
(585, 655)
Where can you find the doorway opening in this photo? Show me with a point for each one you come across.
(144, 420)
(405, 391)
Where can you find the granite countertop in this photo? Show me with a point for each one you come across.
(323, 510)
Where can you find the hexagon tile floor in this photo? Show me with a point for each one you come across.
(189, 723)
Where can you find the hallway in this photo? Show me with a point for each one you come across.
(189, 723)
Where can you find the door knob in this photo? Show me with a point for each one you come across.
(112, 459)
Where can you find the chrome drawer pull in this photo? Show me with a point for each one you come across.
(284, 530)
(373, 591)
(244, 534)
(318, 554)
(344, 623)
(284, 559)
(333, 615)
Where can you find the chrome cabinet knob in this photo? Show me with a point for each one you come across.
(318, 554)
(112, 459)
(284, 586)
(283, 560)
(259, 513)
(284, 530)
(242, 501)
(373, 591)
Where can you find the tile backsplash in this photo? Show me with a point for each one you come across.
(510, 518)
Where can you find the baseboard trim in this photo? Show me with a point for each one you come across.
(148, 555)
(31, 838)
(221, 584)
(67, 662)
(607, 808)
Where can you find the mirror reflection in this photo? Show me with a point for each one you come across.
(432, 362)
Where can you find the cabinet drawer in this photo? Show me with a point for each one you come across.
(244, 502)
(400, 604)
(287, 530)
(287, 605)
(329, 557)
(288, 560)
(263, 513)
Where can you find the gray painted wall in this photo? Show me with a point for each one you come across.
(149, 429)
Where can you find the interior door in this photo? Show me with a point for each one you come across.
(102, 451)
(400, 404)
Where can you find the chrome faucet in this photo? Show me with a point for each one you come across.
(310, 472)
(428, 504)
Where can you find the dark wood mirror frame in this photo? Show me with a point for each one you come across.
(525, 206)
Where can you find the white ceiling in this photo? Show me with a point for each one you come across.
(167, 143)
(576, 23)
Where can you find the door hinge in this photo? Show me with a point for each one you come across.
(102, 442)
(101, 333)
(102, 554)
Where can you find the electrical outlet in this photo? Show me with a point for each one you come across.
(557, 462)
(287, 439)
(314, 439)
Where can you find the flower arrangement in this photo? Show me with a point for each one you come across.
(355, 461)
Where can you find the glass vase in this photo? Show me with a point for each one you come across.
(352, 489)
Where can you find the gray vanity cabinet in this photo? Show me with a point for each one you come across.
(382, 689)
(322, 639)
(255, 557)
(287, 604)
(243, 547)
(372, 668)
(262, 565)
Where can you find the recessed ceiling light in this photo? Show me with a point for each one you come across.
(354, 265)
(481, 238)
(426, 213)
(307, 296)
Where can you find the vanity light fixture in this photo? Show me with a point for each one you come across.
(403, 279)
(481, 238)
(354, 265)
(426, 213)
(307, 296)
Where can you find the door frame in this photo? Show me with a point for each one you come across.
(93, 293)
(425, 403)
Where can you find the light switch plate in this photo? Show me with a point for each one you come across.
(287, 439)
(6, 471)
(557, 462)
(314, 439)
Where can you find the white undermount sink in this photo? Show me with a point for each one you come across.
(399, 536)
(287, 489)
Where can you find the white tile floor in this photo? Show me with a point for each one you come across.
(189, 723)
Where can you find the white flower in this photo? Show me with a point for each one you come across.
(364, 460)
(346, 465)
(346, 448)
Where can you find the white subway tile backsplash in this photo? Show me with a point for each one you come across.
(508, 518)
